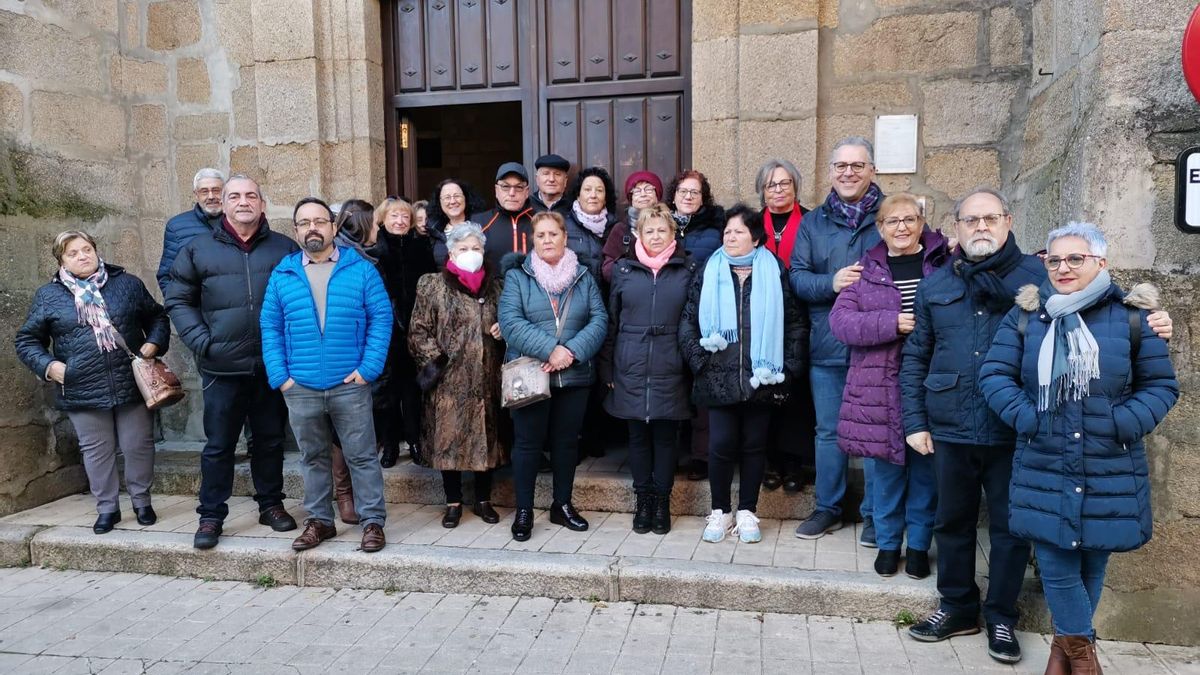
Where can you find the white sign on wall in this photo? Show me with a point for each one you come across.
(896, 144)
(1187, 190)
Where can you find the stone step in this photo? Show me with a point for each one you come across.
(601, 484)
(830, 576)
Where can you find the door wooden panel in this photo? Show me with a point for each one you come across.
(597, 133)
(410, 44)
(470, 37)
(564, 129)
(664, 135)
(439, 27)
(595, 40)
(629, 150)
(623, 134)
(502, 42)
(562, 26)
(629, 38)
(664, 38)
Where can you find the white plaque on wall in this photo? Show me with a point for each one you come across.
(896, 144)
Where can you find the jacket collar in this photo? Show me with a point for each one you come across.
(223, 236)
(294, 263)
(1145, 296)
(113, 270)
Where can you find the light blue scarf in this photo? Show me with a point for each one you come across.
(719, 313)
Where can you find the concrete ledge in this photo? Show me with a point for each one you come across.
(14, 544)
(168, 553)
(440, 569)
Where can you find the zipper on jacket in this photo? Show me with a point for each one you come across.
(557, 318)
(741, 341)
(249, 283)
(650, 354)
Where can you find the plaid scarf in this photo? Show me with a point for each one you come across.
(855, 213)
(90, 305)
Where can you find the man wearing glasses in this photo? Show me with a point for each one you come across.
(831, 241)
(204, 215)
(957, 312)
(507, 225)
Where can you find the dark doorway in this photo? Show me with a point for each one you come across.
(466, 142)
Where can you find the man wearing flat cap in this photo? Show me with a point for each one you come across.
(507, 225)
(550, 172)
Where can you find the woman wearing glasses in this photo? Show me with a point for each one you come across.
(643, 189)
(452, 202)
(1082, 378)
(872, 317)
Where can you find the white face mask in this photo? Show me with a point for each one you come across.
(469, 261)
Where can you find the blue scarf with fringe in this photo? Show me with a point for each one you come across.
(718, 315)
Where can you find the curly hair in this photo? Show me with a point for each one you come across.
(706, 198)
(474, 203)
(610, 190)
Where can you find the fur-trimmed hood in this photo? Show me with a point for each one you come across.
(1142, 296)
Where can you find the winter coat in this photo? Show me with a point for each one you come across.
(562, 207)
(437, 239)
(704, 232)
(642, 358)
(216, 293)
(94, 380)
(403, 260)
(450, 329)
(507, 232)
(939, 370)
(527, 321)
(1080, 479)
(864, 317)
(588, 246)
(181, 229)
(723, 378)
(618, 244)
(358, 324)
(824, 245)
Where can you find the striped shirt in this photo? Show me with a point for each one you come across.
(907, 271)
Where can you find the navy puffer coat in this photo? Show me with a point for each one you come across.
(586, 245)
(703, 233)
(649, 376)
(181, 229)
(1080, 479)
(94, 379)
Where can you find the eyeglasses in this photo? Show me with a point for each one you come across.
(315, 222)
(511, 187)
(446, 199)
(910, 222)
(991, 219)
(684, 192)
(209, 192)
(647, 190)
(854, 167)
(779, 186)
(1074, 261)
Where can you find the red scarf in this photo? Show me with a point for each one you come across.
(472, 280)
(788, 239)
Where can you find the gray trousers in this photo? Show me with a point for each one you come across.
(129, 427)
(348, 406)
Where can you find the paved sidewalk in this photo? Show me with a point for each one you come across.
(88, 622)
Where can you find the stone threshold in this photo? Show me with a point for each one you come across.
(830, 576)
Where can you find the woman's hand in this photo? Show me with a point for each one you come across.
(560, 359)
(495, 331)
(149, 350)
(1160, 322)
(57, 372)
(905, 323)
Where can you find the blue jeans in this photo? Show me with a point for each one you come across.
(348, 406)
(827, 385)
(1072, 581)
(905, 499)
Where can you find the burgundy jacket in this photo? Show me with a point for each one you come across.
(864, 317)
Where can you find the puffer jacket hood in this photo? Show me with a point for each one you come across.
(1080, 477)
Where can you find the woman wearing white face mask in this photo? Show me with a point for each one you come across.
(455, 340)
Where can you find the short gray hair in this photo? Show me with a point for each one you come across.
(981, 190)
(1088, 232)
(768, 168)
(859, 141)
(204, 174)
(242, 176)
(463, 231)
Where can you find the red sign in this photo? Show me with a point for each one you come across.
(1191, 53)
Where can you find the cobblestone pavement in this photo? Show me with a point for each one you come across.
(91, 622)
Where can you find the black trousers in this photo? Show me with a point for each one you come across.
(793, 430)
(552, 424)
(452, 483)
(230, 403)
(962, 471)
(652, 456)
(737, 439)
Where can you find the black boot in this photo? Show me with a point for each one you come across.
(568, 517)
(389, 456)
(661, 522)
(643, 513)
(522, 526)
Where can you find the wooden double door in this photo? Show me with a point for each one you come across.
(600, 82)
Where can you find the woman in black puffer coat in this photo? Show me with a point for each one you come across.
(647, 376)
(73, 337)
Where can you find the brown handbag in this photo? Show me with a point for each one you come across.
(155, 380)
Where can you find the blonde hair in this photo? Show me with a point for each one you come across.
(660, 211)
(60, 242)
(547, 215)
(893, 202)
(390, 204)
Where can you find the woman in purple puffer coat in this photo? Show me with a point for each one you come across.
(873, 316)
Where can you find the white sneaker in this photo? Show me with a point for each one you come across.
(747, 527)
(719, 523)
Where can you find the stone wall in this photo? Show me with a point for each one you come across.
(108, 108)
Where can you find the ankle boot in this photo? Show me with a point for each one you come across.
(1082, 655)
(643, 513)
(660, 523)
(1058, 664)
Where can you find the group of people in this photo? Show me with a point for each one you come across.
(953, 366)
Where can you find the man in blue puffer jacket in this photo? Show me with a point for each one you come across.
(326, 323)
(204, 215)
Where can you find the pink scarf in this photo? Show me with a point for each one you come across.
(472, 280)
(654, 262)
(558, 277)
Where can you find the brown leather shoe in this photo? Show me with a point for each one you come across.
(346, 509)
(1058, 664)
(314, 533)
(1082, 653)
(373, 539)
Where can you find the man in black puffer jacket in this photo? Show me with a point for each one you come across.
(214, 297)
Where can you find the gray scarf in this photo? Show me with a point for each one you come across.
(1069, 358)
